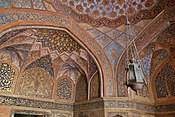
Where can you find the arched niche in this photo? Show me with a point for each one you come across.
(81, 91)
(163, 82)
(20, 18)
(28, 38)
(64, 90)
(36, 82)
(95, 86)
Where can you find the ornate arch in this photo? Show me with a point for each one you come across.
(81, 91)
(149, 33)
(29, 19)
(160, 77)
(36, 82)
(94, 86)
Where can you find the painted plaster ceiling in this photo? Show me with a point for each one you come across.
(108, 8)
(159, 50)
(53, 50)
(109, 13)
(96, 17)
(104, 21)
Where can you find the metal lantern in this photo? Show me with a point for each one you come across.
(135, 77)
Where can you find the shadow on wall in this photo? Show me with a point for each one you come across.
(117, 116)
(81, 114)
(86, 115)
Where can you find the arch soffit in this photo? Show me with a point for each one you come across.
(150, 31)
(154, 76)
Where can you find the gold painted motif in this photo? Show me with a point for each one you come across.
(36, 82)
(57, 40)
(8, 75)
(64, 89)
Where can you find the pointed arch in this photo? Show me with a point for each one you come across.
(21, 18)
(64, 90)
(81, 92)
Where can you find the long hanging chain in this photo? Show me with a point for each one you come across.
(127, 46)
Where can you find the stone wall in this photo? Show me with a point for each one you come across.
(101, 107)
(5, 111)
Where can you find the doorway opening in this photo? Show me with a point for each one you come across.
(28, 115)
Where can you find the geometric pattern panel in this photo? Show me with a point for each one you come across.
(113, 52)
(57, 40)
(107, 8)
(64, 89)
(121, 76)
(171, 83)
(103, 40)
(43, 62)
(81, 89)
(146, 64)
(164, 81)
(38, 4)
(8, 76)
(166, 38)
(36, 82)
(160, 86)
(5, 3)
(95, 87)
(171, 78)
(157, 58)
(22, 3)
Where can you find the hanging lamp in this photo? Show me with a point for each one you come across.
(134, 74)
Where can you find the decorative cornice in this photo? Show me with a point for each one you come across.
(13, 101)
(98, 104)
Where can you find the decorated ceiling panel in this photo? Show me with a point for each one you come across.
(43, 62)
(113, 51)
(108, 8)
(114, 40)
(102, 20)
(158, 50)
(109, 13)
(146, 64)
(164, 82)
(157, 58)
(36, 82)
(43, 56)
(57, 40)
(64, 89)
(166, 39)
(97, 27)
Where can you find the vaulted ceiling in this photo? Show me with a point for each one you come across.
(151, 31)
